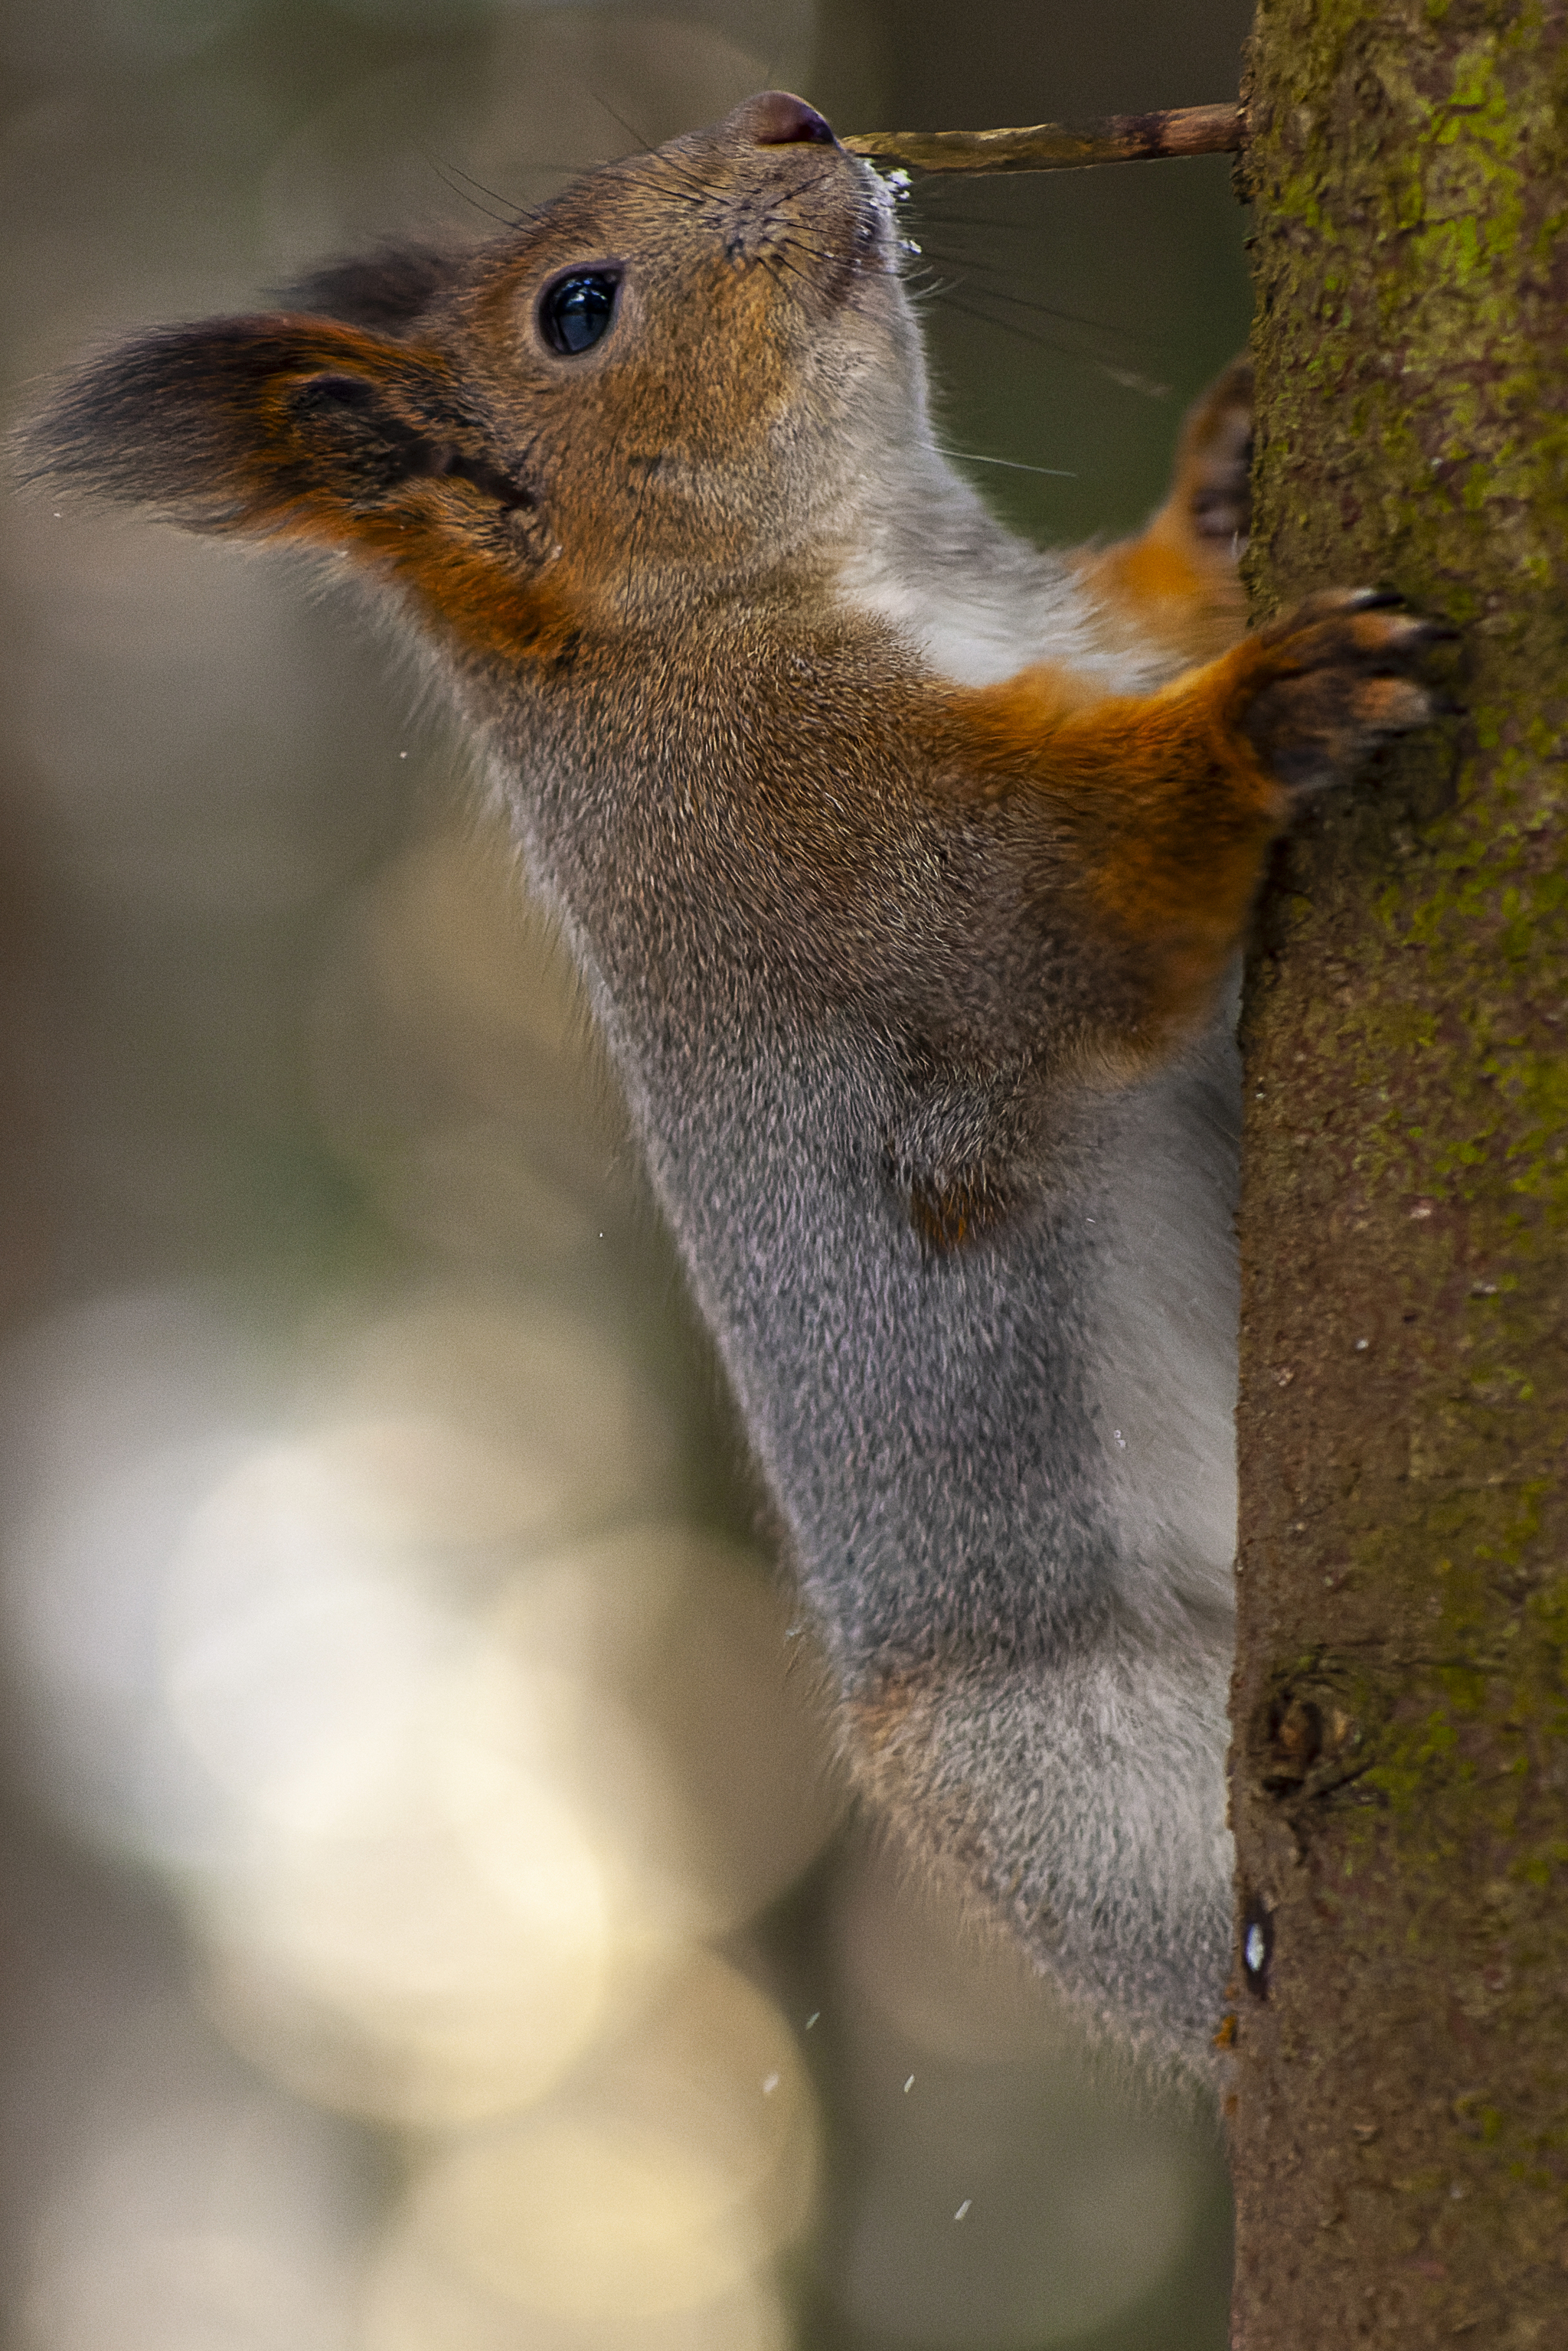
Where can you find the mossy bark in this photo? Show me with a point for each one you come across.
(1400, 1790)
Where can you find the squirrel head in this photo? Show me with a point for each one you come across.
(671, 381)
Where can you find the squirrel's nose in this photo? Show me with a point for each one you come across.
(776, 120)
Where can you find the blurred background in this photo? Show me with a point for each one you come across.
(430, 1916)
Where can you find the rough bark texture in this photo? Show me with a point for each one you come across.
(1400, 1788)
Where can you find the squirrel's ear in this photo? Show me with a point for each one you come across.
(387, 290)
(277, 424)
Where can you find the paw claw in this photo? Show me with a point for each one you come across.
(1336, 677)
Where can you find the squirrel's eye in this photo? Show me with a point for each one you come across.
(577, 311)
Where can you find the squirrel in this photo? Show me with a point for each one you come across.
(906, 867)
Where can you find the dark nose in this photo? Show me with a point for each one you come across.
(776, 120)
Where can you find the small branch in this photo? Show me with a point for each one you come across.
(1050, 147)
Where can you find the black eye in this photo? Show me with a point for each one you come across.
(577, 310)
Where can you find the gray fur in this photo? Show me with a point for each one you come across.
(1010, 1468)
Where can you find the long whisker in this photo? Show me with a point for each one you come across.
(969, 264)
(1128, 379)
(1009, 326)
(538, 170)
(803, 243)
(673, 181)
(778, 259)
(644, 146)
(652, 154)
(1013, 464)
(966, 220)
(448, 175)
(521, 212)
(934, 291)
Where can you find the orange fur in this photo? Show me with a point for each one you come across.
(1176, 582)
(439, 538)
(1170, 586)
(1164, 811)
(1159, 810)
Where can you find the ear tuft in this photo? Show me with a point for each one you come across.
(386, 291)
(260, 424)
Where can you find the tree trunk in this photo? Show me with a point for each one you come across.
(1400, 1767)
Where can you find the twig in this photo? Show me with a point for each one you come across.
(1051, 147)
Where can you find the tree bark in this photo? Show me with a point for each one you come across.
(1400, 1766)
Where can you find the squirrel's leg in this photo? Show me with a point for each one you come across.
(1175, 585)
(1145, 820)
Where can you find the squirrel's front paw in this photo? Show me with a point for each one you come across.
(1325, 683)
